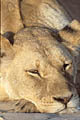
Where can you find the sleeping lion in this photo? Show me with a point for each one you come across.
(40, 67)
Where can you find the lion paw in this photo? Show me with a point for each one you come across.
(24, 106)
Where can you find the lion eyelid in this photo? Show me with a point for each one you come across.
(32, 71)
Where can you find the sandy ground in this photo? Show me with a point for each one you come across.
(38, 116)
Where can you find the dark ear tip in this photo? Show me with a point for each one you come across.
(9, 35)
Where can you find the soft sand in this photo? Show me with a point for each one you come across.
(38, 116)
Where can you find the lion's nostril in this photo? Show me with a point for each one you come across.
(63, 100)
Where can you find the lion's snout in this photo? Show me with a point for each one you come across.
(61, 99)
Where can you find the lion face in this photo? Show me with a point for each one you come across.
(42, 71)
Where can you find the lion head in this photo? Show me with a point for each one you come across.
(41, 71)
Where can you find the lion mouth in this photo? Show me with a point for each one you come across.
(50, 107)
(61, 109)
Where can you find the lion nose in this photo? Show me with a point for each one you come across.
(63, 100)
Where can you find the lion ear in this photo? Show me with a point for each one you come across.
(6, 52)
(71, 36)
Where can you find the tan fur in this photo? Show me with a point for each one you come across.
(73, 43)
(73, 38)
(36, 72)
(6, 56)
(45, 13)
(15, 13)
(33, 67)
(10, 16)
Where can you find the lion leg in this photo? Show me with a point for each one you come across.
(18, 106)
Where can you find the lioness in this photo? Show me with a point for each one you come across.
(42, 71)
